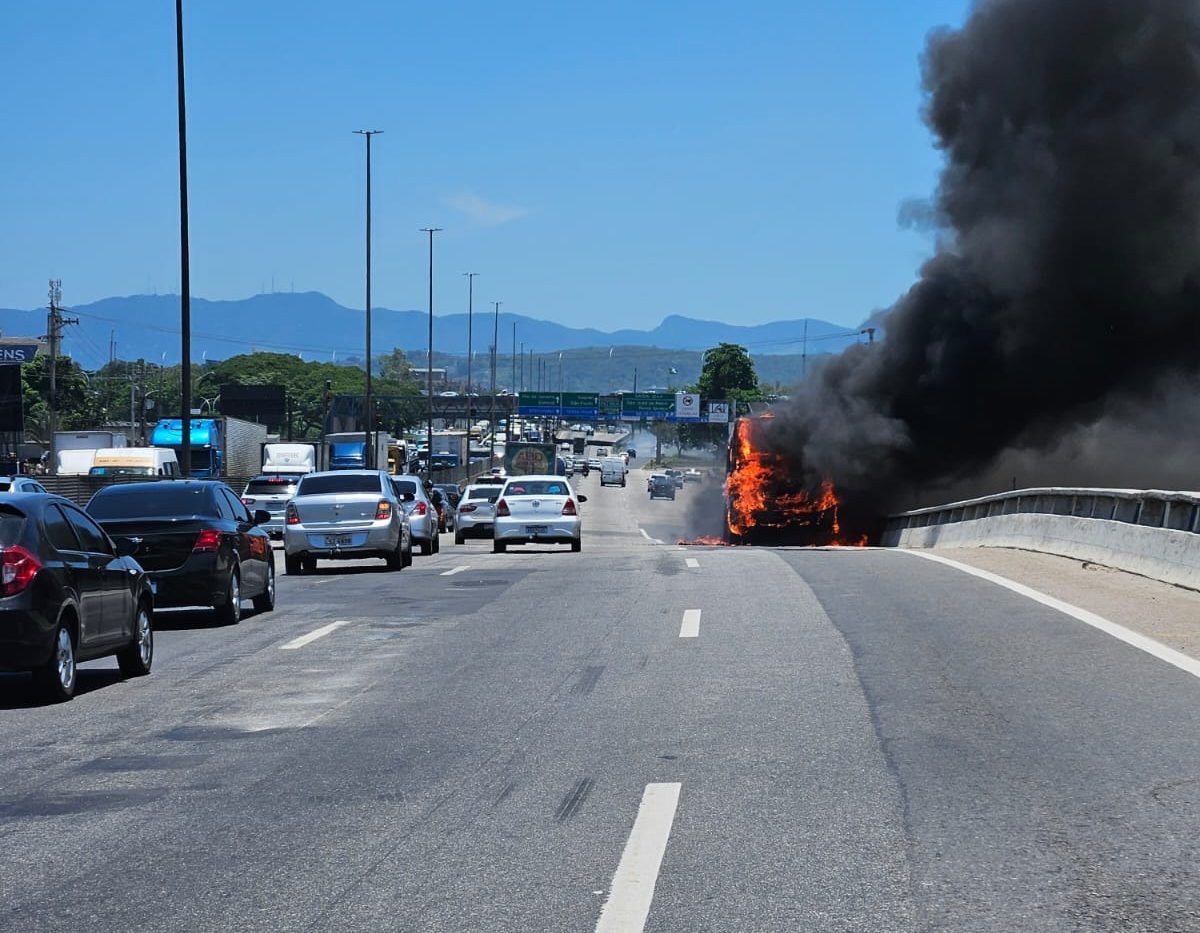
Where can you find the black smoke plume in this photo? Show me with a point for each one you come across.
(1065, 290)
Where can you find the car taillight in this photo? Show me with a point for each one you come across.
(467, 508)
(569, 507)
(420, 508)
(383, 511)
(502, 508)
(209, 539)
(18, 567)
(293, 517)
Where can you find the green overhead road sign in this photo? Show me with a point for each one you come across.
(650, 405)
(542, 404)
(585, 405)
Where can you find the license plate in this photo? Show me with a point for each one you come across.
(338, 540)
(536, 529)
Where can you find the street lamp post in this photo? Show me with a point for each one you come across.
(368, 450)
(429, 355)
(470, 333)
(495, 347)
(185, 286)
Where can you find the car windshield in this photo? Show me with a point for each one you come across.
(136, 500)
(12, 522)
(329, 483)
(536, 487)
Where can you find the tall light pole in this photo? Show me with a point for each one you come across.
(514, 357)
(495, 347)
(470, 333)
(368, 449)
(185, 276)
(429, 354)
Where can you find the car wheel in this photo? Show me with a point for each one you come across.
(308, 565)
(577, 545)
(427, 547)
(437, 544)
(265, 601)
(230, 611)
(291, 564)
(136, 659)
(408, 554)
(395, 560)
(499, 547)
(458, 538)
(56, 678)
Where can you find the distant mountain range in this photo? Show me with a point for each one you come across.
(316, 327)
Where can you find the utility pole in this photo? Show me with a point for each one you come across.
(470, 334)
(514, 357)
(54, 325)
(495, 349)
(521, 382)
(185, 275)
(369, 418)
(804, 351)
(429, 359)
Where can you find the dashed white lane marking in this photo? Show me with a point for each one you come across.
(693, 563)
(691, 624)
(453, 570)
(632, 890)
(1130, 637)
(312, 636)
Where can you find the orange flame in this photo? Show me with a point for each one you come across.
(760, 493)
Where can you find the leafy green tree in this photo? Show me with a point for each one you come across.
(78, 407)
(728, 373)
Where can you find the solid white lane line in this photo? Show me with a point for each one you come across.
(693, 563)
(1137, 640)
(632, 890)
(312, 636)
(453, 570)
(691, 624)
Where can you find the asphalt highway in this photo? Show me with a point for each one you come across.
(639, 736)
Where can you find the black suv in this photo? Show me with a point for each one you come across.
(661, 486)
(68, 594)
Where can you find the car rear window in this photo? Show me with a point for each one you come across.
(405, 487)
(12, 522)
(139, 500)
(491, 493)
(332, 483)
(536, 487)
(271, 487)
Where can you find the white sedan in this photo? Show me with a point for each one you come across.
(541, 509)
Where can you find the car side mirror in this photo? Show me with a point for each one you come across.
(261, 516)
(581, 497)
(126, 547)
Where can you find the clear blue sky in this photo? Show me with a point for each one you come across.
(597, 164)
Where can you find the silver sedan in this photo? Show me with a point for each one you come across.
(476, 512)
(536, 510)
(345, 515)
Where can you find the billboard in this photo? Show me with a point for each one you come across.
(12, 416)
(265, 404)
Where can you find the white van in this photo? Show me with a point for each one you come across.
(135, 461)
(612, 471)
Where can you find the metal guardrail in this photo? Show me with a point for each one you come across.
(1149, 508)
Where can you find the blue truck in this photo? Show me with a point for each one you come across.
(221, 446)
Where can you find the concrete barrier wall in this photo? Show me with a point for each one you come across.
(1151, 534)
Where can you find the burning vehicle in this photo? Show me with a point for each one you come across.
(768, 499)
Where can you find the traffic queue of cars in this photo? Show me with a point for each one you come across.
(83, 583)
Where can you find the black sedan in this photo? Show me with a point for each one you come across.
(197, 540)
(68, 594)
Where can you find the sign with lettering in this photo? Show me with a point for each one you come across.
(12, 353)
